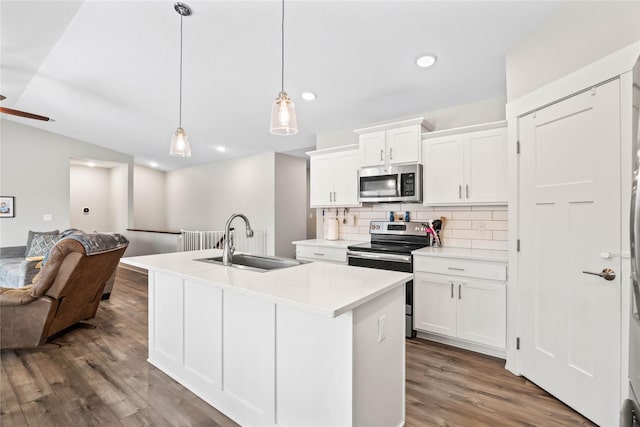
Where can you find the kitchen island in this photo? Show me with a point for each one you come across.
(317, 344)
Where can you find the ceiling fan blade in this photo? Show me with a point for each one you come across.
(24, 114)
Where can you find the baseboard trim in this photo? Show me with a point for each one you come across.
(478, 348)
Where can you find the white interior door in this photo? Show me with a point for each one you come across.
(569, 209)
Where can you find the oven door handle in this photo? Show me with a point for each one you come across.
(380, 257)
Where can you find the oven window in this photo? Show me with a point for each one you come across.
(382, 185)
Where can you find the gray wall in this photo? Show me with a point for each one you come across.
(88, 187)
(149, 199)
(290, 203)
(34, 167)
(577, 35)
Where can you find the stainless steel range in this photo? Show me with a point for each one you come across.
(390, 249)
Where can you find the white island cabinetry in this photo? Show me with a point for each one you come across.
(462, 301)
(317, 344)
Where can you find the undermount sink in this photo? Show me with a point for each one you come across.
(260, 263)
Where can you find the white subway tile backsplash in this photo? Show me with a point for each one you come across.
(472, 234)
(494, 225)
(473, 215)
(500, 235)
(458, 225)
(500, 215)
(457, 243)
(462, 228)
(490, 244)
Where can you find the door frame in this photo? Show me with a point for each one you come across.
(616, 65)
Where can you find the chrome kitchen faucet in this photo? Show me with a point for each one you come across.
(229, 249)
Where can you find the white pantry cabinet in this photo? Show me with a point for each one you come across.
(464, 300)
(392, 143)
(334, 178)
(466, 165)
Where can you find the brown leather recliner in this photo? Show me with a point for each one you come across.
(67, 290)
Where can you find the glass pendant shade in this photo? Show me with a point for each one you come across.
(283, 116)
(180, 146)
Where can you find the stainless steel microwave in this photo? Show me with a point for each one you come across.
(398, 183)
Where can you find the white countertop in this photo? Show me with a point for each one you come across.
(317, 287)
(464, 253)
(328, 243)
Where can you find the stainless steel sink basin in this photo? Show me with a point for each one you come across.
(260, 263)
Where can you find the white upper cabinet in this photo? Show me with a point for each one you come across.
(392, 143)
(334, 178)
(466, 165)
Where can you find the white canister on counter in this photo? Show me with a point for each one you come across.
(333, 232)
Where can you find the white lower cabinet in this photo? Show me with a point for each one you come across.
(467, 310)
(321, 253)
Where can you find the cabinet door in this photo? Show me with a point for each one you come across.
(434, 304)
(321, 180)
(403, 144)
(443, 170)
(486, 166)
(482, 312)
(372, 147)
(346, 178)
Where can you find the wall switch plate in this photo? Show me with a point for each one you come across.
(47, 217)
(482, 227)
(381, 321)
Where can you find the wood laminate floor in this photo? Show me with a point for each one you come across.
(100, 377)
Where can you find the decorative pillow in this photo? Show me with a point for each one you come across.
(42, 244)
(32, 234)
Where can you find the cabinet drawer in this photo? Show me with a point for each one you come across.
(321, 253)
(457, 267)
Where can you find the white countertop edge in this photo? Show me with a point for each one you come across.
(464, 253)
(328, 243)
(337, 311)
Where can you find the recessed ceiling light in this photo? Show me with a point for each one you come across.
(308, 96)
(426, 61)
(91, 164)
(221, 149)
(153, 164)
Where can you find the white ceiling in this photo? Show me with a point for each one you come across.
(107, 71)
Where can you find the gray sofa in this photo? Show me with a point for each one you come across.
(16, 270)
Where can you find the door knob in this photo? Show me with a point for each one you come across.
(606, 274)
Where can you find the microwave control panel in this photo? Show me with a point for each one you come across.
(408, 184)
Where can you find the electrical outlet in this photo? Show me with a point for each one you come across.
(482, 227)
(47, 217)
(381, 335)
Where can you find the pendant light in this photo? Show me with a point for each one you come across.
(180, 146)
(283, 112)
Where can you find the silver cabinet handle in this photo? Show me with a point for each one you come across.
(330, 198)
(467, 190)
(334, 197)
(459, 290)
(452, 290)
(455, 269)
(381, 155)
(318, 254)
(606, 274)
(390, 153)
(459, 191)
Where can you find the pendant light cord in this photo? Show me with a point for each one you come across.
(180, 113)
(282, 32)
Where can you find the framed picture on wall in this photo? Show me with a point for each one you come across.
(7, 209)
